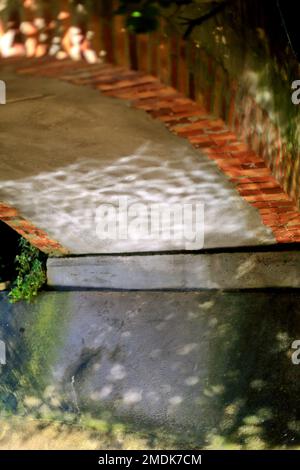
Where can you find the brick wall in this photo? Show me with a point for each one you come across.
(200, 68)
(224, 90)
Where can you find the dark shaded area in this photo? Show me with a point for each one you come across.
(289, 12)
(193, 23)
(261, 398)
(9, 240)
(143, 16)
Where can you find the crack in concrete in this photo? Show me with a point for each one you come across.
(28, 98)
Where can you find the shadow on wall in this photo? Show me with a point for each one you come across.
(192, 369)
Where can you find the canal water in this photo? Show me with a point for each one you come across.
(205, 369)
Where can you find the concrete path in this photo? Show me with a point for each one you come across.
(65, 150)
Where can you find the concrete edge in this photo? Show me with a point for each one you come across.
(240, 270)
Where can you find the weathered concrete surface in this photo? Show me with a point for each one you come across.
(238, 270)
(216, 367)
(66, 149)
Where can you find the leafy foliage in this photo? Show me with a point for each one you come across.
(31, 274)
(142, 15)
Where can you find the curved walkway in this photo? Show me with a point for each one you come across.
(66, 149)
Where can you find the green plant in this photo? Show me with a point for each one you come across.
(142, 16)
(31, 273)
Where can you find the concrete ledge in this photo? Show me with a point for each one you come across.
(241, 270)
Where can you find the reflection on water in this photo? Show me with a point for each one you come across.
(213, 367)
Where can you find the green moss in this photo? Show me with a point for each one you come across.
(42, 341)
(31, 355)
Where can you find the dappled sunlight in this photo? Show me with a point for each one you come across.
(31, 433)
(64, 201)
(246, 267)
(33, 29)
(226, 383)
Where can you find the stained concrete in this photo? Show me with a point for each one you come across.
(66, 149)
(213, 367)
